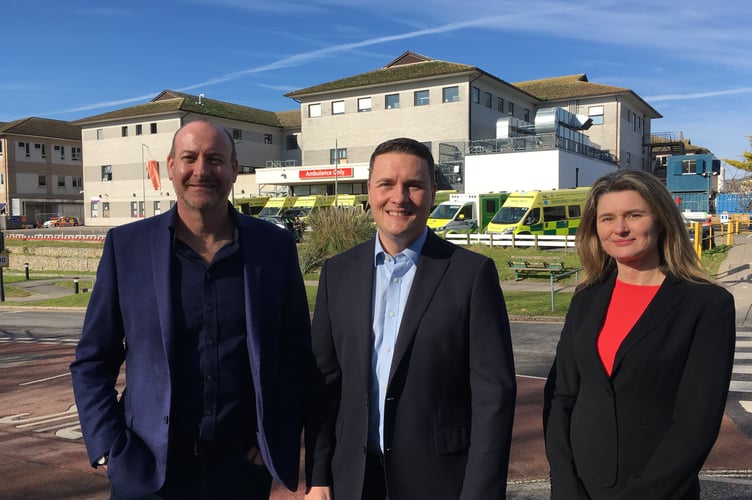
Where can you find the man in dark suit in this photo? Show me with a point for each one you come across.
(412, 344)
(207, 309)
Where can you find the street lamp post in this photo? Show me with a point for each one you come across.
(143, 179)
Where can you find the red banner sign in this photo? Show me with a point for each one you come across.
(325, 173)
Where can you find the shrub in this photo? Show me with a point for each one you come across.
(332, 231)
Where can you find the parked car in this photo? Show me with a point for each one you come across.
(66, 220)
(289, 223)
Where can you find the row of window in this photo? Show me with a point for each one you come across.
(124, 130)
(636, 120)
(137, 208)
(391, 101)
(42, 150)
(501, 106)
(76, 182)
(237, 134)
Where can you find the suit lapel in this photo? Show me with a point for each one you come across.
(432, 265)
(161, 273)
(595, 304)
(664, 301)
(360, 302)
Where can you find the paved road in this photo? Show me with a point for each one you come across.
(43, 454)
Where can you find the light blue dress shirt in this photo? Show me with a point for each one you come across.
(391, 285)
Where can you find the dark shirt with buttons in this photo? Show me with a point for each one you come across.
(213, 396)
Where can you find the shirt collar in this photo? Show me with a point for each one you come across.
(412, 252)
(234, 215)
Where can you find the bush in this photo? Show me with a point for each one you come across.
(332, 231)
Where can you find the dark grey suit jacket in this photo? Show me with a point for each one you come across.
(451, 392)
(645, 431)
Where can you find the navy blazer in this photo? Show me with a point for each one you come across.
(451, 391)
(645, 431)
(130, 319)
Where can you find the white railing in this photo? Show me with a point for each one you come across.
(511, 240)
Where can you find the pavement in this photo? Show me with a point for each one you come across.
(727, 473)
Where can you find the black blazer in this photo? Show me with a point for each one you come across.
(643, 433)
(451, 392)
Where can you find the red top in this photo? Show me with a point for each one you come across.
(628, 302)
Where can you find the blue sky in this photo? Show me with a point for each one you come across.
(690, 60)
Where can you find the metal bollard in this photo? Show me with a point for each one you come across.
(26, 270)
(75, 285)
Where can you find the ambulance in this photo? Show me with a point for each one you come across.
(556, 212)
(277, 205)
(356, 201)
(251, 206)
(465, 213)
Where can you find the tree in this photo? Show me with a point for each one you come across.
(746, 163)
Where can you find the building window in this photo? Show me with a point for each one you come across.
(595, 113)
(627, 159)
(487, 99)
(267, 138)
(338, 107)
(134, 209)
(61, 181)
(450, 94)
(100, 134)
(142, 208)
(689, 166)
(41, 180)
(59, 149)
(526, 116)
(364, 104)
(510, 108)
(291, 142)
(42, 149)
(105, 209)
(391, 101)
(106, 173)
(157, 207)
(314, 110)
(422, 98)
(94, 209)
(500, 105)
(77, 182)
(75, 153)
(124, 131)
(237, 134)
(337, 155)
(153, 128)
(139, 129)
(475, 95)
(1, 147)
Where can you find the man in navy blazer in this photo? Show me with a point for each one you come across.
(207, 309)
(414, 356)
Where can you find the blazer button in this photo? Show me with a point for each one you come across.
(166, 419)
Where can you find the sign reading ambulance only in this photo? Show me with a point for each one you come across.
(325, 173)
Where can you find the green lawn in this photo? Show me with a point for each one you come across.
(518, 303)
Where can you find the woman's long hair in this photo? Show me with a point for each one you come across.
(677, 255)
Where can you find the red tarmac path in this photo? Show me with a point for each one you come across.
(42, 455)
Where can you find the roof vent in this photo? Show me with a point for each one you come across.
(201, 99)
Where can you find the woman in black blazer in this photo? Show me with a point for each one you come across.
(636, 395)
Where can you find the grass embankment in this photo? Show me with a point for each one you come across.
(518, 303)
